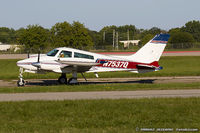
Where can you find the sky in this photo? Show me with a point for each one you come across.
(95, 14)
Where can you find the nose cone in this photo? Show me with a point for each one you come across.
(27, 64)
(20, 63)
(24, 63)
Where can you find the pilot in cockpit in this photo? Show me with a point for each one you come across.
(62, 55)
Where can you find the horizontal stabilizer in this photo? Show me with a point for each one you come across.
(152, 66)
(145, 67)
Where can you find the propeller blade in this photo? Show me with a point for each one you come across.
(38, 56)
(37, 64)
(28, 54)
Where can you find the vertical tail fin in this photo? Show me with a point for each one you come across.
(151, 51)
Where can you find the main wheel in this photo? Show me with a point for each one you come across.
(62, 80)
(20, 82)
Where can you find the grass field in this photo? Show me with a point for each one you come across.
(89, 116)
(101, 87)
(173, 66)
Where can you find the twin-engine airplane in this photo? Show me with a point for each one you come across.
(67, 60)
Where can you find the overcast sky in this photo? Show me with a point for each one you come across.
(95, 14)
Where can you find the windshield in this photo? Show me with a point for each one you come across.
(52, 52)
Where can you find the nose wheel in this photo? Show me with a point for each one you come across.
(21, 81)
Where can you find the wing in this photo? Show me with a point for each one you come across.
(78, 65)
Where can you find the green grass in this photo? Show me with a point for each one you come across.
(97, 116)
(173, 66)
(101, 87)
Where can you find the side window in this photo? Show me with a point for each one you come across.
(79, 55)
(66, 54)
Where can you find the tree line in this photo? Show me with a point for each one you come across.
(76, 35)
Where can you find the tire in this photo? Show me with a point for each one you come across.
(70, 80)
(20, 83)
(62, 80)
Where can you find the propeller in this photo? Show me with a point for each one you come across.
(38, 56)
(37, 64)
(28, 54)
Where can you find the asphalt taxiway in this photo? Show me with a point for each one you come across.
(142, 80)
(100, 95)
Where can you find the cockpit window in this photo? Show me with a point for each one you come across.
(52, 52)
(66, 54)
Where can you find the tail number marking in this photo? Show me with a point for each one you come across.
(116, 64)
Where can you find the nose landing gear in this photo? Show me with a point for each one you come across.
(21, 81)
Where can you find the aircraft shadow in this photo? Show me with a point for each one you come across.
(55, 82)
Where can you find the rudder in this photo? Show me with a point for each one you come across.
(151, 51)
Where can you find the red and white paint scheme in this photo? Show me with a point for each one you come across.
(68, 60)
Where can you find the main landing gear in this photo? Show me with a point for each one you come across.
(63, 79)
(73, 80)
(21, 81)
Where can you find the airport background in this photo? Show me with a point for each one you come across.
(63, 34)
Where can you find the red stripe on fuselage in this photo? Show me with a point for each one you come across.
(124, 64)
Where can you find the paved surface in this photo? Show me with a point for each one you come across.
(148, 80)
(181, 53)
(6, 84)
(13, 56)
(99, 95)
(167, 53)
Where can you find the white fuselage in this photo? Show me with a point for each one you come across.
(60, 64)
